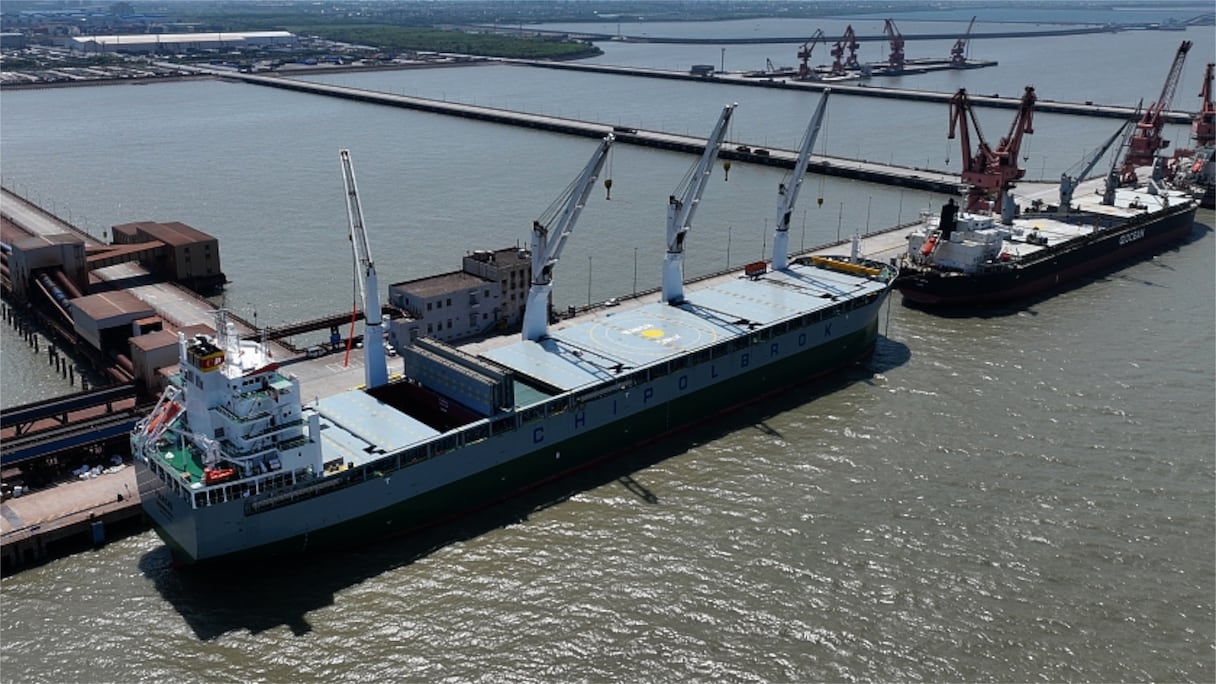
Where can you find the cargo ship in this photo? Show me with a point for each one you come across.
(1001, 248)
(957, 258)
(1196, 171)
(232, 463)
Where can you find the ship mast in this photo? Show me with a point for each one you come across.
(787, 191)
(545, 253)
(680, 211)
(374, 365)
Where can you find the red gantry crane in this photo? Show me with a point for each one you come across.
(805, 70)
(989, 172)
(1203, 128)
(958, 53)
(895, 61)
(1146, 140)
(841, 64)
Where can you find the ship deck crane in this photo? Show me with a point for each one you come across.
(895, 61)
(787, 191)
(958, 53)
(374, 365)
(546, 252)
(1146, 140)
(840, 63)
(1069, 181)
(990, 172)
(805, 70)
(681, 210)
(1112, 174)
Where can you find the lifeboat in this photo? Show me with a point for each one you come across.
(217, 475)
(165, 416)
(929, 244)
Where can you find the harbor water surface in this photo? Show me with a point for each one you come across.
(1022, 496)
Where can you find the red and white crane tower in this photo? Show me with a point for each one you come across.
(895, 61)
(1146, 140)
(958, 53)
(841, 64)
(990, 172)
(1203, 127)
(805, 70)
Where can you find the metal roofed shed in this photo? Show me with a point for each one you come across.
(104, 319)
(180, 42)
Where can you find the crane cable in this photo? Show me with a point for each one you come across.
(354, 304)
(822, 147)
(608, 180)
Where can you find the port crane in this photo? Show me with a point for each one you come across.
(1112, 174)
(841, 64)
(546, 252)
(1069, 180)
(958, 53)
(1146, 140)
(787, 191)
(895, 61)
(990, 172)
(680, 210)
(375, 367)
(805, 70)
(1203, 128)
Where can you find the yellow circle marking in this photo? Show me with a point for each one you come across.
(652, 333)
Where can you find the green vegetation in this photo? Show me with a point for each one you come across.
(11, 63)
(399, 38)
(390, 27)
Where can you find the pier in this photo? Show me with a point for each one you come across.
(841, 86)
(844, 85)
(921, 179)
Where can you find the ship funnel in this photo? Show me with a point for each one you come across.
(948, 221)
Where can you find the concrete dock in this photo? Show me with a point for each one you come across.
(71, 515)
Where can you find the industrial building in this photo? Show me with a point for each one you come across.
(488, 293)
(54, 275)
(146, 43)
(190, 256)
(29, 258)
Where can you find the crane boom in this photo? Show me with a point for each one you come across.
(546, 252)
(1113, 174)
(1203, 128)
(1068, 182)
(840, 63)
(1146, 140)
(374, 364)
(990, 172)
(680, 211)
(787, 191)
(805, 70)
(895, 61)
(958, 53)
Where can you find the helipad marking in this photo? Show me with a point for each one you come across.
(653, 333)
